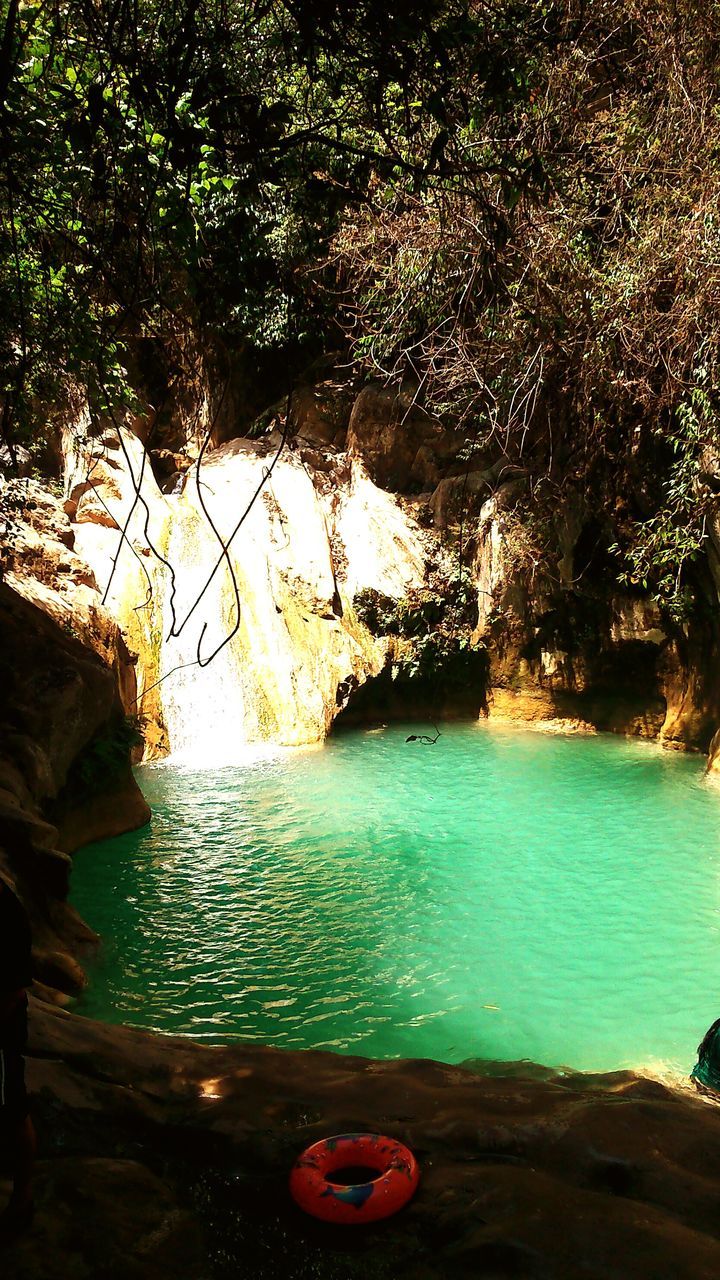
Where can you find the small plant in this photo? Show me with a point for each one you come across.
(434, 627)
(70, 629)
(107, 754)
(446, 662)
(378, 612)
(451, 603)
(663, 546)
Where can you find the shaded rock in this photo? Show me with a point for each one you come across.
(316, 459)
(388, 429)
(108, 1219)
(103, 814)
(173, 1147)
(58, 970)
(16, 461)
(166, 463)
(425, 469)
(61, 695)
(462, 496)
(173, 484)
(569, 519)
(61, 690)
(714, 753)
(321, 413)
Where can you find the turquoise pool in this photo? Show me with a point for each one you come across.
(502, 894)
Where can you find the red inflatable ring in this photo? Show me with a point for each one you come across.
(311, 1185)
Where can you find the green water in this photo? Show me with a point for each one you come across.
(498, 895)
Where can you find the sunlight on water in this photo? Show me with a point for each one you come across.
(502, 894)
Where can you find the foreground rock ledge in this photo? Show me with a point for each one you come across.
(164, 1158)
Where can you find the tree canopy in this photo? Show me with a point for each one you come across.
(161, 160)
(514, 204)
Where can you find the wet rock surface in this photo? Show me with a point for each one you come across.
(164, 1158)
(67, 676)
(275, 613)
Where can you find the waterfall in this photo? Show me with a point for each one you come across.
(203, 707)
(302, 549)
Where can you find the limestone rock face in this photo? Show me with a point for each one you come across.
(398, 442)
(235, 592)
(40, 562)
(637, 620)
(131, 575)
(61, 702)
(494, 566)
(90, 494)
(571, 651)
(39, 542)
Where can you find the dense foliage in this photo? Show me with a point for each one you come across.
(513, 205)
(579, 334)
(167, 163)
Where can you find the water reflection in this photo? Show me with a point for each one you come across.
(502, 895)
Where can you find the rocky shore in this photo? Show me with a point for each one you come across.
(162, 1158)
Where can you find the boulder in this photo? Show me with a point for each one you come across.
(387, 431)
(320, 413)
(460, 497)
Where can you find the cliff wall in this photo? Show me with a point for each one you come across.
(65, 776)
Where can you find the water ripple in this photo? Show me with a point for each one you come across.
(500, 895)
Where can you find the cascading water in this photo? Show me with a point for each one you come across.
(257, 615)
(298, 552)
(203, 707)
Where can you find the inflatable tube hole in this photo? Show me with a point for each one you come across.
(353, 1175)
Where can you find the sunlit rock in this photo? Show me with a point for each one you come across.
(235, 592)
